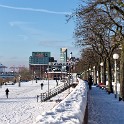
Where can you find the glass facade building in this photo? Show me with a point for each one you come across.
(38, 63)
(40, 58)
(63, 55)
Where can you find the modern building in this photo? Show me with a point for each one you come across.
(38, 63)
(63, 55)
(39, 58)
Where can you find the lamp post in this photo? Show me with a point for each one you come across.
(101, 64)
(19, 80)
(115, 57)
(48, 77)
(69, 80)
(89, 71)
(35, 76)
(48, 82)
(32, 78)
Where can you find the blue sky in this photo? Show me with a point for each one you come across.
(27, 26)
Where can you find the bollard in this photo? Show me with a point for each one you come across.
(37, 98)
(41, 97)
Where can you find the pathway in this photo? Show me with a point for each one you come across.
(104, 108)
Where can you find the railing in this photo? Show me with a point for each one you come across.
(53, 92)
(76, 100)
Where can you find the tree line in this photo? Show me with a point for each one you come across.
(99, 31)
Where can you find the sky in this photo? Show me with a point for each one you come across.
(28, 26)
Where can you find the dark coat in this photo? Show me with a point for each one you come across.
(7, 91)
(90, 82)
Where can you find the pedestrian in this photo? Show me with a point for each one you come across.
(41, 86)
(90, 82)
(7, 92)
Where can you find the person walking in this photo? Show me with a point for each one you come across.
(41, 86)
(7, 92)
(90, 82)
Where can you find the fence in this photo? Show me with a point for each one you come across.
(53, 92)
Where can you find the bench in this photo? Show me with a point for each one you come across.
(102, 86)
(105, 87)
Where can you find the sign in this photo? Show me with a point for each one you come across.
(39, 55)
(61, 64)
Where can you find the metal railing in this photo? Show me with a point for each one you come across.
(53, 92)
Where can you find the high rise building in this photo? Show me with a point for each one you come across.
(63, 55)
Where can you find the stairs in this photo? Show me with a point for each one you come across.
(53, 92)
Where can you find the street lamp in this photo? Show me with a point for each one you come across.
(89, 71)
(19, 80)
(101, 64)
(35, 76)
(48, 74)
(115, 57)
(32, 78)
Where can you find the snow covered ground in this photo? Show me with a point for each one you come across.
(104, 108)
(70, 111)
(22, 107)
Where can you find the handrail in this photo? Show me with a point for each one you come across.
(54, 91)
(80, 116)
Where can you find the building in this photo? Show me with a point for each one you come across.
(2, 68)
(63, 55)
(38, 63)
(39, 58)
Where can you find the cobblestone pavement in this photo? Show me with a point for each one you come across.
(104, 108)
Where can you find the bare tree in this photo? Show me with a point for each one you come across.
(25, 74)
(100, 24)
(95, 28)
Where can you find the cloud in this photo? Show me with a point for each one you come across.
(54, 43)
(26, 27)
(17, 23)
(35, 10)
(24, 37)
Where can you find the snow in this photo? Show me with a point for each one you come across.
(70, 111)
(104, 108)
(22, 107)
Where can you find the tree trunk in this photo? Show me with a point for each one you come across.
(99, 79)
(110, 88)
(122, 73)
(104, 72)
